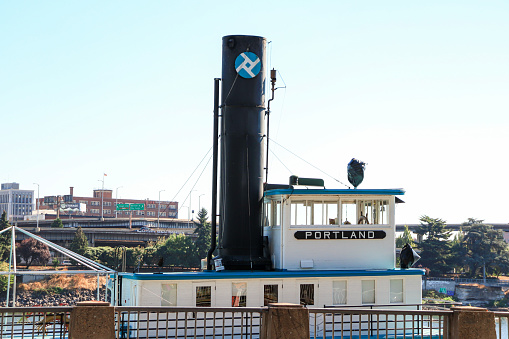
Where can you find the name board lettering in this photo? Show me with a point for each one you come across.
(337, 235)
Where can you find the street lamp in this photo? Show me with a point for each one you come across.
(37, 202)
(116, 200)
(159, 208)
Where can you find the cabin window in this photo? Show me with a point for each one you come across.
(309, 212)
(239, 294)
(396, 291)
(169, 295)
(368, 291)
(307, 294)
(339, 292)
(272, 213)
(203, 296)
(301, 213)
(270, 294)
(358, 212)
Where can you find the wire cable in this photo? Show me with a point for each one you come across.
(310, 164)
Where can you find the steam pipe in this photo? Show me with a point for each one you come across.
(273, 82)
(214, 174)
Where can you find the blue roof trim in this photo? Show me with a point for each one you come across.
(212, 275)
(396, 191)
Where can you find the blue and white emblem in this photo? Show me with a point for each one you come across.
(248, 65)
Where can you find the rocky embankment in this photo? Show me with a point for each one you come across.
(65, 298)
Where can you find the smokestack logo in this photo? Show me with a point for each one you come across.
(248, 65)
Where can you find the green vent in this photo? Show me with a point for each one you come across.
(295, 180)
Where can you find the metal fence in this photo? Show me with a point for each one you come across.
(489, 281)
(35, 322)
(235, 322)
(363, 323)
(502, 324)
(188, 322)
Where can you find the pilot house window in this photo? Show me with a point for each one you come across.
(358, 212)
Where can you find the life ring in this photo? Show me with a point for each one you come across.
(363, 220)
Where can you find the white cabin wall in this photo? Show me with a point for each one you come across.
(383, 290)
(125, 297)
(184, 292)
(224, 292)
(340, 254)
(254, 291)
(354, 291)
(412, 290)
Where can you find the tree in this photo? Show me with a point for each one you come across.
(4, 267)
(80, 242)
(5, 238)
(177, 250)
(33, 251)
(458, 252)
(435, 246)
(202, 231)
(57, 223)
(485, 248)
(405, 238)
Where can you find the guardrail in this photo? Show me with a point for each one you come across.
(35, 322)
(502, 324)
(99, 320)
(362, 323)
(188, 322)
(489, 281)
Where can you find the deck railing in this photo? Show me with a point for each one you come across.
(366, 323)
(502, 324)
(188, 322)
(236, 322)
(35, 322)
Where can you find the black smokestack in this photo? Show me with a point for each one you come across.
(242, 152)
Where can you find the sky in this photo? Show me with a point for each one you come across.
(416, 89)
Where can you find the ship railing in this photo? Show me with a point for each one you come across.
(35, 322)
(502, 324)
(188, 322)
(370, 323)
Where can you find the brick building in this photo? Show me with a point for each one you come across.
(167, 209)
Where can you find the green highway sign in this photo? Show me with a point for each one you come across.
(122, 207)
(137, 207)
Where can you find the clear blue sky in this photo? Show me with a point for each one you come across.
(417, 89)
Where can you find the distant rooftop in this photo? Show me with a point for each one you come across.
(10, 186)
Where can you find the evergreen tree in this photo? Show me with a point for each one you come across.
(405, 238)
(485, 248)
(435, 246)
(202, 231)
(80, 242)
(5, 238)
(458, 252)
(57, 223)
